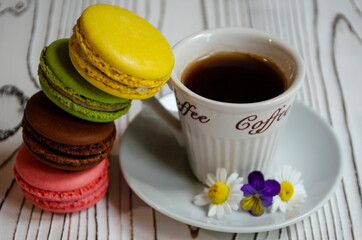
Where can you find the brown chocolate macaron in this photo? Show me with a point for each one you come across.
(62, 140)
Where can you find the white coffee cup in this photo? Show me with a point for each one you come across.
(239, 137)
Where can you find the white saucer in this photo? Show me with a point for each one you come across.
(156, 169)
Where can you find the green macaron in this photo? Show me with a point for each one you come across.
(64, 86)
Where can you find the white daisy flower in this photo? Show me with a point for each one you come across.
(223, 194)
(292, 192)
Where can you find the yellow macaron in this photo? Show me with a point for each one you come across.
(120, 52)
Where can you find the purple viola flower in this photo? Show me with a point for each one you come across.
(258, 193)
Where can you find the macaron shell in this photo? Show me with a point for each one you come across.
(55, 124)
(133, 46)
(42, 176)
(67, 207)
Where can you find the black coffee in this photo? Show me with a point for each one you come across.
(235, 78)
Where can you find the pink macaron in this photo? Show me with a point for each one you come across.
(57, 190)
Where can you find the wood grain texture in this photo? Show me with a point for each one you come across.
(328, 35)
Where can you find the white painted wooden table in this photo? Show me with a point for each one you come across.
(327, 33)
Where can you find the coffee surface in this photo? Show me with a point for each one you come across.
(235, 77)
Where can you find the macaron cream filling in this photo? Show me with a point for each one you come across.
(76, 100)
(68, 206)
(77, 151)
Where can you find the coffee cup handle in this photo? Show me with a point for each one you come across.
(172, 122)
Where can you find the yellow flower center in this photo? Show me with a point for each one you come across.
(218, 193)
(286, 191)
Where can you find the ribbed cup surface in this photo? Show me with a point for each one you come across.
(207, 153)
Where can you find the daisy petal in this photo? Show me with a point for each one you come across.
(282, 207)
(219, 211)
(278, 176)
(236, 184)
(287, 172)
(236, 187)
(221, 175)
(212, 210)
(233, 205)
(201, 199)
(210, 179)
(276, 202)
(227, 208)
(231, 178)
(296, 178)
(238, 180)
(235, 196)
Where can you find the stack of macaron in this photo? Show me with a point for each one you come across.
(88, 81)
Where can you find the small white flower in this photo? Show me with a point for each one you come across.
(292, 192)
(223, 194)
